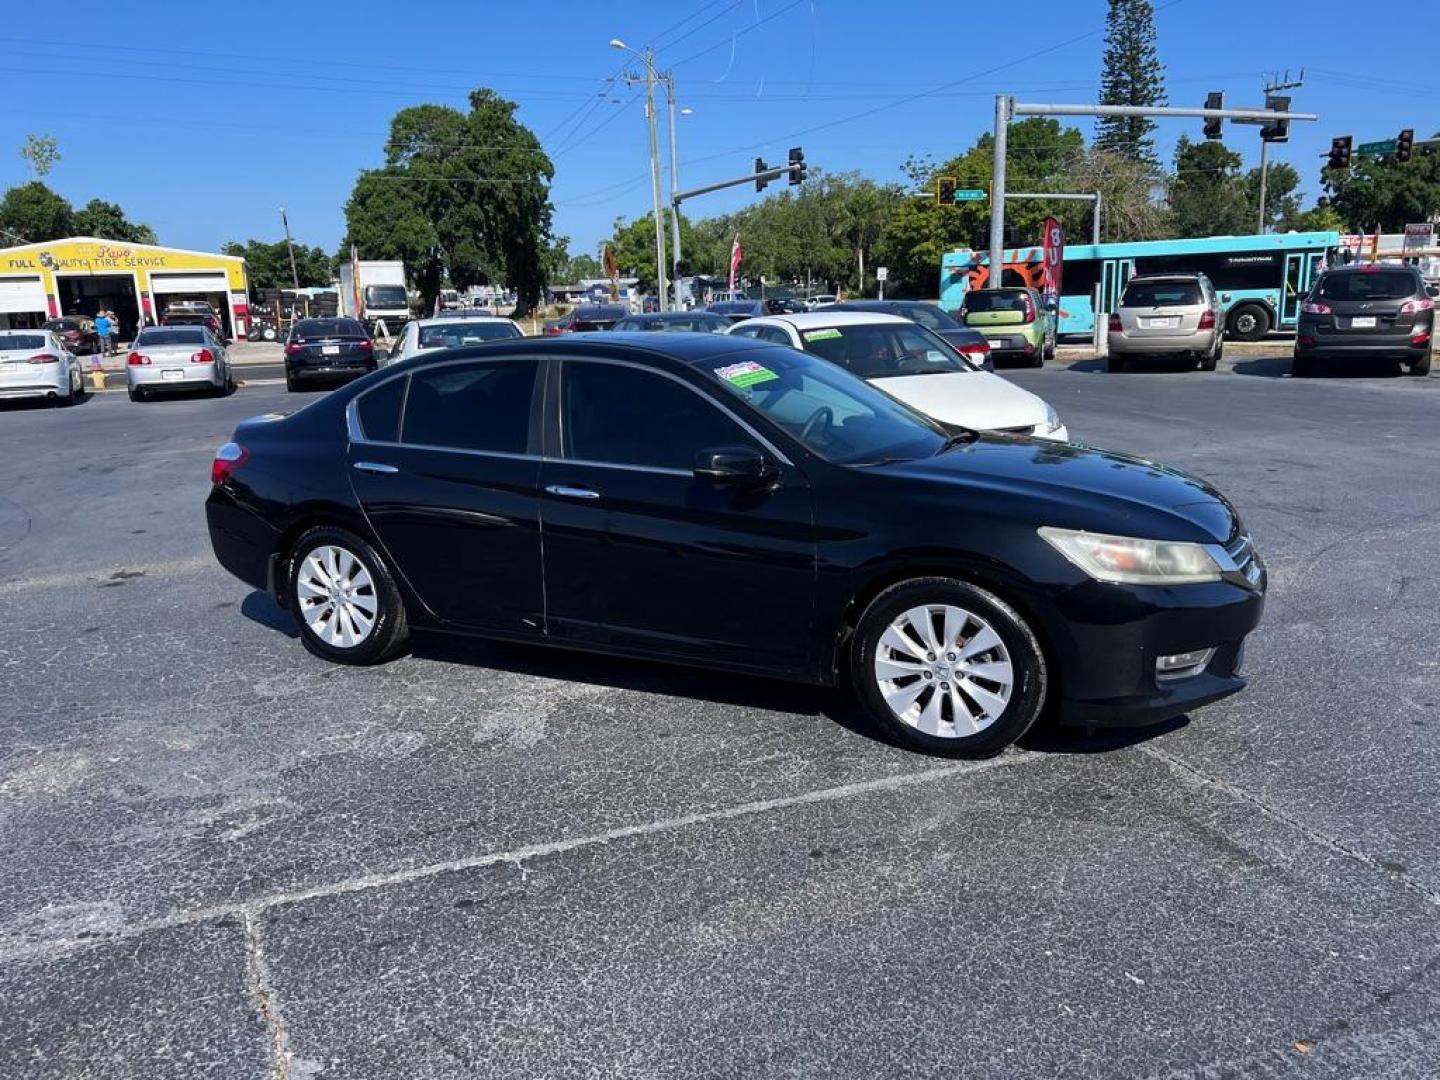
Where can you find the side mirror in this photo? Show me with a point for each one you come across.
(1433, 290)
(732, 465)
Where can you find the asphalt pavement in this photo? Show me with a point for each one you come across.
(224, 858)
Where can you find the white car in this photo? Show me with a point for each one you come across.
(913, 365)
(823, 300)
(451, 332)
(36, 364)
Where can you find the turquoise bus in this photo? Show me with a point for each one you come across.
(1261, 279)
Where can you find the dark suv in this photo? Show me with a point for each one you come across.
(1374, 312)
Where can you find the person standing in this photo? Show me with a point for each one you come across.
(114, 343)
(102, 328)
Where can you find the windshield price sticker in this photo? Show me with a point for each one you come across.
(821, 335)
(747, 374)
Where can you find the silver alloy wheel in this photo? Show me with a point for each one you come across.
(337, 596)
(944, 671)
(1246, 322)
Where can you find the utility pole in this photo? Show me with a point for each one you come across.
(294, 274)
(647, 57)
(674, 187)
(1272, 87)
(1004, 104)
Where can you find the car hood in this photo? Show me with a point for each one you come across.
(1086, 488)
(972, 399)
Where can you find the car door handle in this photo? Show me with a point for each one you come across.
(375, 467)
(572, 492)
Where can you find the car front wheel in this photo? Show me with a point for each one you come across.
(344, 599)
(947, 668)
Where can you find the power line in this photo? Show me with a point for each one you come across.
(743, 30)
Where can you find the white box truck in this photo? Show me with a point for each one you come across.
(382, 293)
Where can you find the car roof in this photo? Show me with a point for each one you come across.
(1178, 276)
(1373, 268)
(458, 317)
(666, 316)
(814, 320)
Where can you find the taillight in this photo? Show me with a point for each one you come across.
(44, 358)
(204, 356)
(364, 346)
(1116, 327)
(1307, 341)
(136, 359)
(1207, 320)
(1420, 337)
(1315, 307)
(1029, 308)
(1419, 304)
(292, 348)
(227, 459)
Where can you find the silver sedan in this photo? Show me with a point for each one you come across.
(168, 358)
(36, 364)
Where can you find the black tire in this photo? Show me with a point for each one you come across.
(137, 395)
(1211, 360)
(390, 631)
(1114, 363)
(1421, 367)
(1027, 661)
(1302, 367)
(1248, 322)
(292, 384)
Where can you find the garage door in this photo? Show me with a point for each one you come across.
(188, 283)
(22, 294)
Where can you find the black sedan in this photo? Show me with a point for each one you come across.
(79, 335)
(327, 349)
(969, 343)
(738, 310)
(741, 506)
(695, 322)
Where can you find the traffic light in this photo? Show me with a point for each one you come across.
(1404, 144)
(1279, 130)
(1214, 100)
(1340, 152)
(760, 167)
(945, 190)
(797, 165)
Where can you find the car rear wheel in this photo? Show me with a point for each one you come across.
(1421, 366)
(344, 599)
(292, 384)
(947, 668)
(1115, 363)
(137, 395)
(1249, 322)
(1302, 367)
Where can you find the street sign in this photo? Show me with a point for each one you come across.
(882, 273)
(969, 194)
(1419, 236)
(1376, 149)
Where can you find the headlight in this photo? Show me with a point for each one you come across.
(1052, 420)
(1126, 560)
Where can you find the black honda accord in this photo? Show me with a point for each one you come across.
(742, 506)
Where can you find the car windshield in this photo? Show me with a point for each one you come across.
(696, 323)
(1366, 285)
(995, 300)
(1162, 294)
(9, 342)
(929, 316)
(165, 336)
(388, 296)
(454, 335)
(64, 324)
(882, 350)
(835, 415)
(323, 328)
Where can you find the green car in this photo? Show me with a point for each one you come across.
(1016, 322)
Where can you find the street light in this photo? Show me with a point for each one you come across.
(648, 58)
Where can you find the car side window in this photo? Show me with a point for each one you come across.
(775, 334)
(379, 411)
(481, 406)
(621, 415)
(747, 331)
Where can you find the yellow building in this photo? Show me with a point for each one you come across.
(81, 275)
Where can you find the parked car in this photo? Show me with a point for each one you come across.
(910, 363)
(969, 343)
(164, 359)
(587, 317)
(193, 313)
(1015, 322)
(746, 507)
(1167, 315)
(78, 334)
(822, 300)
(451, 332)
(1369, 312)
(38, 364)
(329, 349)
(735, 310)
(700, 322)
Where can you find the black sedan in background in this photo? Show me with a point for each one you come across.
(78, 334)
(738, 310)
(1370, 312)
(695, 322)
(969, 343)
(328, 349)
(742, 506)
(587, 317)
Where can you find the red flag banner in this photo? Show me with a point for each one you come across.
(1054, 250)
(735, 256)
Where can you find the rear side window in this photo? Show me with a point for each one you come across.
(1376, 285)
(928, 317)
(21, 341)
(455, 335)
(170, 336)
(1162, 294)
(481, 406)
(379, 411)
(317, 328)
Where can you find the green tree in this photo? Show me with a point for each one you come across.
(107, 221)
(42, 152)
(267, 263)
(1282, 196)
(463, 197)
(1132, 75)
(34, 213)
(633, 243)
(1208, 195)
(1385, 194)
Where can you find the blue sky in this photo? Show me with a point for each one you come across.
(203, 119)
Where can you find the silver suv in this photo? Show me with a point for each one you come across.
(1167, 315)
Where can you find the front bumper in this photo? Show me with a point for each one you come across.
(159, 377)
(1199, 341)
(1108, 639)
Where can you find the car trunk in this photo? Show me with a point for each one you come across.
(16, 370)
(1162, 320)
(1366, 317)
(331, 349)
(582, 325)
(179, 355)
